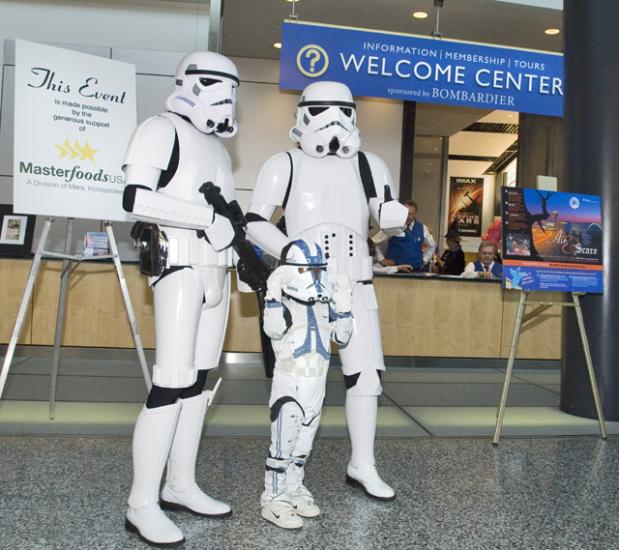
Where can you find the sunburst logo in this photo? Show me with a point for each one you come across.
(84, 152)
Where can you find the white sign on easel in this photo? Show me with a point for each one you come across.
(74, 114)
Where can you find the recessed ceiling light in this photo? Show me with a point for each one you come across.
(420, 14)
(552, 31)
(292, 1)
(277, 45)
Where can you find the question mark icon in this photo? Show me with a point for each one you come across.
(312, 60)
(314, 56)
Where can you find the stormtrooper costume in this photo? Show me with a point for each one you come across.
(304, 310)
(328, 190)
(169, 157)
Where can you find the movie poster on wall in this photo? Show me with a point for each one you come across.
(74, 115)
(551, 241)
(465, 204)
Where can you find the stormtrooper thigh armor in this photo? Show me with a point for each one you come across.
(191, 310)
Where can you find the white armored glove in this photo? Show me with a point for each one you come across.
(342, 295)
(392, 217)
(220, 233)
(275, 284)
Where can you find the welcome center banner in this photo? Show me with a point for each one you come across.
(414, 68)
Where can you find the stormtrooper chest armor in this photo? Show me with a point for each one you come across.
(201, 158)
(306, 345)
(327, 202)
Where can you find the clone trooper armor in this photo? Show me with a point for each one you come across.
(304, 312)
(169, 157)
(328, 190)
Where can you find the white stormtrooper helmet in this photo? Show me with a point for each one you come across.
(205, 93)
(325, 121)
(306, 272)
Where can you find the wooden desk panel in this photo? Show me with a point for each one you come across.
(419, 317)
(439, 318)
(13, 279)
(95, 313)
(541, 337)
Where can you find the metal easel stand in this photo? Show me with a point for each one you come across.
(70, 261)
(521, 318)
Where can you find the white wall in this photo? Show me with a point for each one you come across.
(179, 26)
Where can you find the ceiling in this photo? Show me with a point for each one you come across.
(250, 27)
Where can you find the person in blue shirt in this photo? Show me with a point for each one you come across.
(485, 267)
(415, 246)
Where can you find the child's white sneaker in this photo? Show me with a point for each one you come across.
(281, 512)
(303, 502)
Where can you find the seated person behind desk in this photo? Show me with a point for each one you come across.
(485, 267)
(377, 267)
(407, 247)
(452, 260)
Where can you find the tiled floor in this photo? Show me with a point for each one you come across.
(100, 393)
(455, 490)
(69, 493)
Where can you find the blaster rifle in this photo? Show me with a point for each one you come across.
(251, 269)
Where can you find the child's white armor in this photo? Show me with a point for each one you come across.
(303, 313)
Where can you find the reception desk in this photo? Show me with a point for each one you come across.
(420, 316)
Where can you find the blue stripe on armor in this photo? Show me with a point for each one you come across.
(273, 303)
(312, 327)
(311, 260)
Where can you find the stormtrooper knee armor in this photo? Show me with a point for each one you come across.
(328, 189)
(169, 157)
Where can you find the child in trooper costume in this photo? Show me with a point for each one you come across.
(303, 312)
(169, 157)
(328, 189)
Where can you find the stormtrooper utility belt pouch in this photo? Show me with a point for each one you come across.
(153, 247)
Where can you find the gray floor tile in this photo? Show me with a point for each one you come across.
(445, 376)
(462, 395)
(518, 421)
(539, 376)
(452, 494)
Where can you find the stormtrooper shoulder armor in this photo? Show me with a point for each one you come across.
(381, 176)
(273, 179)
(152, 143)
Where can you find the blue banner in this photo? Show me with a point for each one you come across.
(414, 68)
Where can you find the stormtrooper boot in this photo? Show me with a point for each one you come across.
(180, 491)
(361, 413)
(300, 497)
(279, 510)
(154, 431)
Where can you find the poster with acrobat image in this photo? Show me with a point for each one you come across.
(552, 240)
(13, 230)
